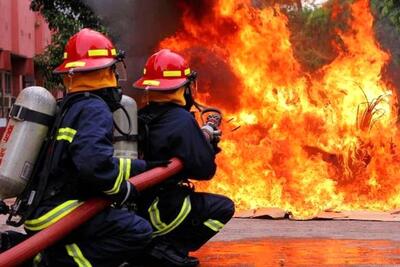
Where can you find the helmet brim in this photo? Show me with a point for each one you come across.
(159, 84)
(82, 65)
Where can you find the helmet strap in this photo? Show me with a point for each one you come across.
(70, 76)
(188, 97)
(146, 96)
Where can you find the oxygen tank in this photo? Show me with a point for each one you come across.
(126, 146)
(30, 118)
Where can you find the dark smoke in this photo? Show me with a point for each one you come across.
(215, 77)
(389, 39)
(137, 26)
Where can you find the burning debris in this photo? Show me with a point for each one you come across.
(307, 142)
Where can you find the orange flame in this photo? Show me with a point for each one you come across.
(307, 142)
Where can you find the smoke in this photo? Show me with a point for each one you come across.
(389, 39)
(136, 27)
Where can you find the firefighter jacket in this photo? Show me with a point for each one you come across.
(83, 165)
(174, 132)
(173, 206)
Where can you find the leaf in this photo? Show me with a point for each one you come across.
(64, 18)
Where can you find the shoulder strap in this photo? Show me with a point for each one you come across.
(21, 113)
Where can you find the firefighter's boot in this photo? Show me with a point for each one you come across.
(169, 255)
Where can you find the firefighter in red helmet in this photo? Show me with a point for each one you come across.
(80, 164)
(183, 220)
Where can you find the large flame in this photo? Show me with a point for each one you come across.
(306, 142)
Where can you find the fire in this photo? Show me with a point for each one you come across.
(306, 142)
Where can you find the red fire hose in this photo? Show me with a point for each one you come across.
(47, 237)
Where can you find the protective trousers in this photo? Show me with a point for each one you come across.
(187, 219)
(109, 239)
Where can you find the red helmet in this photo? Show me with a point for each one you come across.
(164, 70)
(87, 50)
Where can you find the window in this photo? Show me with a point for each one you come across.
(1, 84)
(7, 83)
(2, 104)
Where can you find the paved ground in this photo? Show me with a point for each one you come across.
(256, 242)
(238, 229)
(252, 242)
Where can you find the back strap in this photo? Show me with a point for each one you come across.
(130, 137)
(21, 113)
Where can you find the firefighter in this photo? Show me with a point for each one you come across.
(82, 165)
(183, 220)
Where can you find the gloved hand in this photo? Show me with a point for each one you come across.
(10, 239)
(212, 134)
(127, 194)
(150, 164)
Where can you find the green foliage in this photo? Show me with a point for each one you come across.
(389, 9)
(315, 33)
(65, 18)
(311, 36)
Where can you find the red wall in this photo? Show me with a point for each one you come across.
(5, 24)
(23, 34)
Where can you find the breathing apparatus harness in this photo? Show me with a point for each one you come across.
(33, 193)
(36, 189)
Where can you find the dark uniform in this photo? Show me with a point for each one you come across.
(84, 167)
(179, 215)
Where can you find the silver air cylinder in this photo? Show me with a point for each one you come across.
(23, 139)
(126, 147)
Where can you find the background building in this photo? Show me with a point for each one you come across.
(23, 34)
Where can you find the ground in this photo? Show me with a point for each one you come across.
(254, 242)
(261, 242)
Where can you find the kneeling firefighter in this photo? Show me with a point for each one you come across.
(80, 163)
(183, 220)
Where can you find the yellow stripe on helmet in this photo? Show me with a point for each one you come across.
(75, 64)
(151, 82)
(65, 55)
(98, 52)
(172, 73)
(187, 71)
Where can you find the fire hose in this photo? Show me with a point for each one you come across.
(47, 237)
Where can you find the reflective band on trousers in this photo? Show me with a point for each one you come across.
(37, 259)
(214, 225)
(74, 251)
(52, 216)
(66, 134)
(124, 173)
(163, 228)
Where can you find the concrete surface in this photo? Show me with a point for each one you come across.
(238, 229)
(260, 242)
(255, 242)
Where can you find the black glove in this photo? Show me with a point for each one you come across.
(10, 239)
(212, 134)
(127, 193)
(150, 164)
